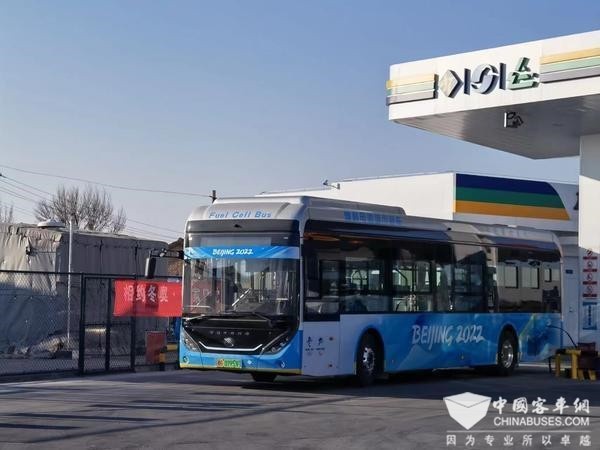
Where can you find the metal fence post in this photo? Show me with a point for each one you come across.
(82, 326)
(108, 326)
(133, 320)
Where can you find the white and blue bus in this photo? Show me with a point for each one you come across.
(311, 286)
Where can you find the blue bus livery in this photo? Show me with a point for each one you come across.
(301, 285)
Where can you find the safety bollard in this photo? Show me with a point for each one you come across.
(162, 358)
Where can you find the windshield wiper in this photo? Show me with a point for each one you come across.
(263, 317)
(255, 314)
(231, 314)
(209, 316)
(189, 319)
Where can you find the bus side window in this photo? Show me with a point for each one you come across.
(363, 289)
(402, 286)
(492, 289)
(330, 278)
(443, 277)
(468, 294)
(328, 301)
(551, 284)
(321, 282)
(531, 294)
(491, 281)
(312, 277)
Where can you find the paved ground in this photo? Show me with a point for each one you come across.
(31, 365)
(187, 409)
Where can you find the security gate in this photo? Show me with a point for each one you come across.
(52, 322)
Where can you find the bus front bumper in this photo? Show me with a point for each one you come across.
(287, 360)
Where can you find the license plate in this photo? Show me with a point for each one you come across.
(229, 363)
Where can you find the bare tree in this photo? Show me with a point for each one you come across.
(6, 213)
(90, 209)
(119, 221)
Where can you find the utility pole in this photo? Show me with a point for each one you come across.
(213, 196)
(69, 283)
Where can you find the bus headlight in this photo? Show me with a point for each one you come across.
(278, 344)
(189, 341)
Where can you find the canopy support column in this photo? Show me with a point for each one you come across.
(589, 237)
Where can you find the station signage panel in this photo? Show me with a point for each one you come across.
(488, 77)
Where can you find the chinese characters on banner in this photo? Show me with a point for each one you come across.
(147, 298)
(589, 290)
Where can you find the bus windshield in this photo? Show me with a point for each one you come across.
(259, 286)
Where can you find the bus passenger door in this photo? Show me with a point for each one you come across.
(321, 348)
(321, 330)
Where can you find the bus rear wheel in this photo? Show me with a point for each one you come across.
(367, 361)
(263, 377)
(508, 354)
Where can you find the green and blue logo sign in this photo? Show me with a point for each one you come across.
(484, 78)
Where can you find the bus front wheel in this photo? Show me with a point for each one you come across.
(367, 360)
(263, 377)
(508, 353)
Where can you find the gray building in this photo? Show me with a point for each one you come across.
(37, 316)
(31, 248)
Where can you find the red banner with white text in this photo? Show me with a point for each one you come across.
(147, 298)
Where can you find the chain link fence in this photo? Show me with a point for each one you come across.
(52, 322)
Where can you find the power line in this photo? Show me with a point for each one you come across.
(113, 186)
(134, 229)
(25, 184)
(20, 188)
(22, 211)
(16, 194)
(153, 226)
(21, 196)
(147, 232)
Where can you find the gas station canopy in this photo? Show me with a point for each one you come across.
(538, 99)
(534, 99)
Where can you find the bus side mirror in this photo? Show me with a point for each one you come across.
(150, 267)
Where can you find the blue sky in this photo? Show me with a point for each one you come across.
(240, 97)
